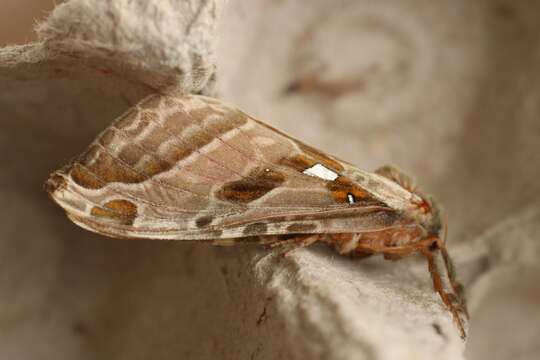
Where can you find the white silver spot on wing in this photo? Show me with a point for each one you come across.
(322, 172)
(350, 198)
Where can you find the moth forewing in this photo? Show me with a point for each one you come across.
(196, 168)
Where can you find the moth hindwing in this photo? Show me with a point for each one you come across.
(196, 168)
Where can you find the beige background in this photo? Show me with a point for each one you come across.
(448, 90)
(18, 17)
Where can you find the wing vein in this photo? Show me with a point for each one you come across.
(183, 144)
(173, 165)
(177, 210)
(150, 178)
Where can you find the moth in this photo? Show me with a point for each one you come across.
(194, 168)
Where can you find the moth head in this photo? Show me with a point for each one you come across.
(430, 216)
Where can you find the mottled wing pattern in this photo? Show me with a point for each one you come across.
(195, 168)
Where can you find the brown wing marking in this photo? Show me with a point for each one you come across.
(268, 168)
(315, 154)
(301, 228)
(120, 210)
(94, 161)
(373, 221)
(300, 162)
(342, 188)
(257, 184)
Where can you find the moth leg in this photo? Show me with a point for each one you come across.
(457, 288)
(397, 252)
(438, 286)
(295, 243)
(427, 247)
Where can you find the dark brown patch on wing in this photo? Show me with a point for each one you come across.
(303, 162)
(104, 167)
(298, 162)
(209, 130)
(258, 183)
(132, 154)
(155, 167)
(80, 174)
(203, 221)
(301, 228)
(321, 157)
(311, 152)
(343, 186)
(125, 166)
(255, 229)
(84, 178)
(121, 210)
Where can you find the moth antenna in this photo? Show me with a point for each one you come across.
(445, 222)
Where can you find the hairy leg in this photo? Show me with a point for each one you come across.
(446, 297)
(456, 286)
(428, 247)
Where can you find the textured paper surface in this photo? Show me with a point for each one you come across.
(446, 90)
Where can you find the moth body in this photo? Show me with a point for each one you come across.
(194, 168)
